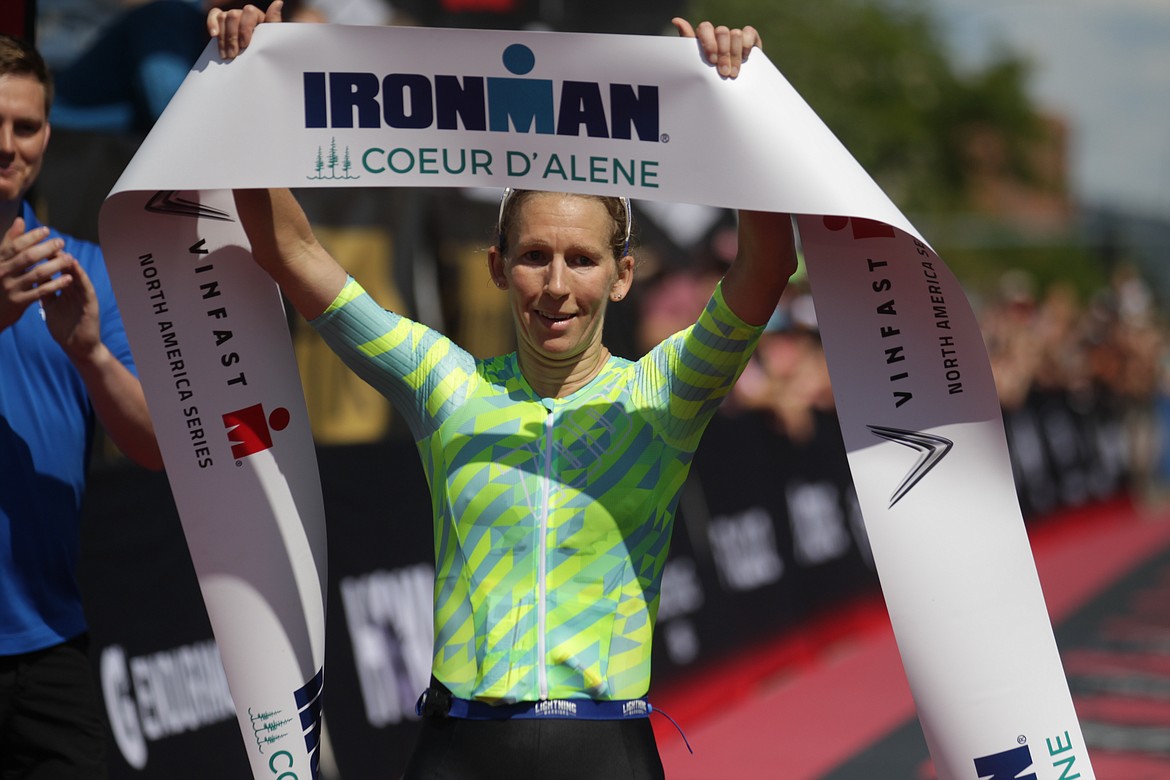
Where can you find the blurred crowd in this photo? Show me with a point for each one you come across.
(1102, 359)
(117, 63)
(1104, 354)
(1083, 379)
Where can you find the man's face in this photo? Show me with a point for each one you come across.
(24, 134)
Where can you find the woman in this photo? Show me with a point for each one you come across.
(554, 471)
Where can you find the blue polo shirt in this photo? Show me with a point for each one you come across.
(46, 431)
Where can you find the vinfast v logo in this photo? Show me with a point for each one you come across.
(249, 431)
(932, 448)
(498, 104)
(169, 202)
(1008, 765)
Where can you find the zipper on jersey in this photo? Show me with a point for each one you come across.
(542, 565)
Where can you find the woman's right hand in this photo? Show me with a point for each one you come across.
(234, 28)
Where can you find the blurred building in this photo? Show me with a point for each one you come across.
(1032, 193)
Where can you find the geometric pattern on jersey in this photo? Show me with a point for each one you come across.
(552, 516)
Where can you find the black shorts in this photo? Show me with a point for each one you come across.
(534, 749)
(51, 720)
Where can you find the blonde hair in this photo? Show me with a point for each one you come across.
(618, 209)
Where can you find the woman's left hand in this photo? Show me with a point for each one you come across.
(725, 48)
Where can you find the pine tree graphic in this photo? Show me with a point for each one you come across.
(333, 161)
(319, 165)
(333, 158)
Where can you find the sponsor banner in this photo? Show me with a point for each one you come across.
(349, 107)
(324, 106)
(925, 439)
(213, 353)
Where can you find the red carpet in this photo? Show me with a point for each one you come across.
(805, 704)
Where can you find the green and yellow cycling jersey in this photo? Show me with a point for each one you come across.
(552, 516)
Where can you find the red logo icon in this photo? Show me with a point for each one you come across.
(862, 228)
(250, 431)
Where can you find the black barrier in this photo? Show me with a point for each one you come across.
(768, 536)
(1067, 450)
(161, 678)
(162, 682)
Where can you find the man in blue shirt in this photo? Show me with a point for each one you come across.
(64, 359)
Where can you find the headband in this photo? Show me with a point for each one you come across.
(509, 192)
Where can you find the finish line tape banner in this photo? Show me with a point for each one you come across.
(328, 106)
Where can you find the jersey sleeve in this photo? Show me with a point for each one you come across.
(422, 372)
(688, 375)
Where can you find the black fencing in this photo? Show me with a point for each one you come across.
(768, 535)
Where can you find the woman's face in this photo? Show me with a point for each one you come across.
(560, 273)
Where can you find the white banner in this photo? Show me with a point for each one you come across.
(328, 106)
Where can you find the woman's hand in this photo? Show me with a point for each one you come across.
(725, 48)
(234, 28)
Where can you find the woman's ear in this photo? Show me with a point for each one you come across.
(496, 268)
(625, 279)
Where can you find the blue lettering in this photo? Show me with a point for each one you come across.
(1007, 765)
(638, 109)
(476, 103)
(1067, 764)
(522, 102)
(460, 102)
(581, 105)
(281, 754)
(447, 161)
(554, 167)
(366, 159)
(597, 168)
(315, 115)
(481, 160)
(650, 173)
(402, 154)
(400, 88)
(515, 161)
(619, 171)
(1056, 746)
(350, 91)
(428, 161)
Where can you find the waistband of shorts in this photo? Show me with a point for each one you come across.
(438, 701)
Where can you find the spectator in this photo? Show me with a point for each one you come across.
(122, 82)
(65, 360)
